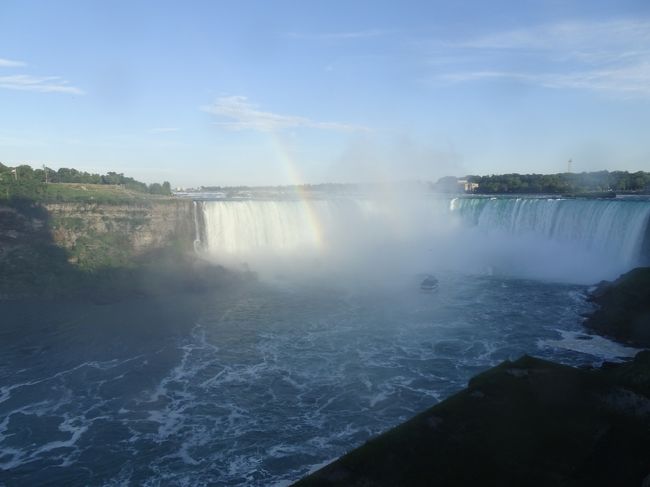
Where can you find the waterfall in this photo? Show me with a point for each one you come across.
(615, 227)
(197, 227)
(245, 226)
(282, 226)
(478, 231)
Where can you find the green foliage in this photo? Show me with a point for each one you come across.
(96, 250)
(100, 194)
(19, 183)
(24, 182)
(563, 183)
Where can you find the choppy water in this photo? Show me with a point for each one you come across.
(257, 384)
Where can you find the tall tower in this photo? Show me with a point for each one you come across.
(568, 166)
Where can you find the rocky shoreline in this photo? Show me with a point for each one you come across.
(528, 422)
(623, 308)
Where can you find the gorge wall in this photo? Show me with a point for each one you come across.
(96, 235)
(45, 246)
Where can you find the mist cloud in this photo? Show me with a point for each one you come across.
(372, 158)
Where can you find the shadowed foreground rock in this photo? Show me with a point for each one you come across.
(528, 422)
(624, 308)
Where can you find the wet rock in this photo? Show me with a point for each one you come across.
(560, 426)
(623, 308)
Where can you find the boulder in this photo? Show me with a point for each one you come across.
(623, 309)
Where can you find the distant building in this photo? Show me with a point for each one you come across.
(467, 186)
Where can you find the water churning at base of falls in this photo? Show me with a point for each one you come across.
(567, 239)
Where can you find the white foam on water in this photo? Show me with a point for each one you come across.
(278, 379)
(595, 345)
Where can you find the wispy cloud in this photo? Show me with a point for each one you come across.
(339, 36)
(27, 82)
(243, 115)
(571, 37)
(45, 84)
(9, 63)
(163, 130)
(632, 81)
(609, 57)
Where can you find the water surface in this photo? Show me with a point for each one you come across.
(259, 383)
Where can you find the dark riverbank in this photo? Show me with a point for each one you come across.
(527, 422)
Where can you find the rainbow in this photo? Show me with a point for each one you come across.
(292, 170)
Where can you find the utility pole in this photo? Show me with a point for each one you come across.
(45, 171)
(568, 166)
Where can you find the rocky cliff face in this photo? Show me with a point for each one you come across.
(103, 252)
(94, 235)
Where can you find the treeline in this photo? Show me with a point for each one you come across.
(322, 187)
(25, 182)
(562, 183)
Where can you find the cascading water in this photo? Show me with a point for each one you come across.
(484, 233)
(616, 227)
(352, 236)
(197, 228)
(244, 226)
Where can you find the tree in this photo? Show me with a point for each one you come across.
(155, 188)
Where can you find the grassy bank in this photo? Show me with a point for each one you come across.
(94, 193)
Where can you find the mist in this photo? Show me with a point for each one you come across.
(394, 156)
(390, 237)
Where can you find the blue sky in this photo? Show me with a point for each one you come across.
(278, 92)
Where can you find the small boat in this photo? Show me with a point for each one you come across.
(430, 283)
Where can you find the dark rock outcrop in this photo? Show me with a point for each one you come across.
(623, 308)
(528, 422)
